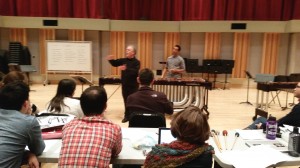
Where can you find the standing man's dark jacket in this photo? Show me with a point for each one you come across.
(128, 76)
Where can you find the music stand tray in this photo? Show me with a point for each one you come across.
(27, 68)
(82, 80)
(249, 76)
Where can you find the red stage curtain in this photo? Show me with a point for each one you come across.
(95, 9)
(287, 7)
(268, 10)
(86, 8)
(80, 8)
(132, 9)
(64, 8)
(173, 10)
(114, 9)
(145, 12)
(240, 10)
(296, 10)
(219, 10)
(37, 8)
(157, 10)
(22, 8)
(7, 7)
(52, 8)
(197, 10)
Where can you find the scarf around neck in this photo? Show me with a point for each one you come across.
(175, 154)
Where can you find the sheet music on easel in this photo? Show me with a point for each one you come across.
(82, 80)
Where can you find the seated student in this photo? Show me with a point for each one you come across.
(13, 76)
(292, 118)
(63, 102)
(90, 141)
(18, 129)
(147, 100)
(191, 129)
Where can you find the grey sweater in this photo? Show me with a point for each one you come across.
(17, 131)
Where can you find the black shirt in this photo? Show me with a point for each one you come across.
(129, 75)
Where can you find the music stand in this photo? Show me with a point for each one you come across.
(249, 76)
(28, 69)
(82, 80)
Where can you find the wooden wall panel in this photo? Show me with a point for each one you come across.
(240, 54)
(44, 34)
(144, 51)
(270, 53)
(117, 48)
(171, 39)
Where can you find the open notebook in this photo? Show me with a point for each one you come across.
(165, 135)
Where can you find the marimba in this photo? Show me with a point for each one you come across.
(182, 92)
(262, 97)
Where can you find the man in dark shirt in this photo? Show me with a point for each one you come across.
(130, 67)
(292, 118)
(146, 100)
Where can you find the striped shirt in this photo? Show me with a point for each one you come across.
(90, 142)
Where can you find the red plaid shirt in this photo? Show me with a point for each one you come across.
(90, 142)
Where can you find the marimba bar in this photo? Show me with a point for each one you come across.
(182, 92)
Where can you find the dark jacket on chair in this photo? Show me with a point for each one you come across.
(149, 101)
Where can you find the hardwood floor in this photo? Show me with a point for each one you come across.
(226, 112)
(224, 106)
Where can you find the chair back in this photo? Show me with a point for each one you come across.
(147, 120)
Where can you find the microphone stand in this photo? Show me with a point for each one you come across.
(249, 76)
(114, 92)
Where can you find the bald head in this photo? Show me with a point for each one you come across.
(130, 51)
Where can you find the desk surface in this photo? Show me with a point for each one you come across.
(225, 158)
(129, 155)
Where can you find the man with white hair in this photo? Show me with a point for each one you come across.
(129, 67)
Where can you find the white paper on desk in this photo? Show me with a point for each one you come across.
(290, 128)
(140, 139)
(51, 146)
(257, 156)
(53, 121)
(251, 134)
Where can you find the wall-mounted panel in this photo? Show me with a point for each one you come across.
(144, 26)
(293, 26)
(62, 23)
(226, 26)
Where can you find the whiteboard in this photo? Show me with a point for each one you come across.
(69, 55)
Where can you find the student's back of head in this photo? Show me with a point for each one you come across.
(146, 76)
(93, 100)
(14, 76)
(65, 88)
(191, 125)
(13, 95)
